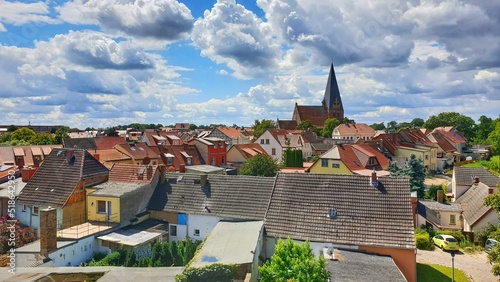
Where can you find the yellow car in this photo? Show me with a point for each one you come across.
(446, 242)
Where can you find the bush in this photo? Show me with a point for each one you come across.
(423, 242)
(483, 234)
(215, 272)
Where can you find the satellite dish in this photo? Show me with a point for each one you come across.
(146, 160)
(469, 158)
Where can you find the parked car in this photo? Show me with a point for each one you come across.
(446, 242)
(490, 244)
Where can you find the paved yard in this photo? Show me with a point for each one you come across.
(475, 266)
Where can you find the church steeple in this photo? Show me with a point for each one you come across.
(332, 100)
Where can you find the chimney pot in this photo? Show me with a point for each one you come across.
(374, 179)
(476, 179)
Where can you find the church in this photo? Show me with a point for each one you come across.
(331, 107)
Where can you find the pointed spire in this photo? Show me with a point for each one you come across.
(332, 99)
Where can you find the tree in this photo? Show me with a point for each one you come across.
(417, 122)
(259, 165)
(378, 126)
(483, 129)
(494, 138)
(61, 133)
(293, 158)
(493, 201)
(293, 262)
(43, 138)
(259, 127)
(111, 131)
(308, 125)
(415, 170)
(12, 128)
(392, 126)
(23, 134)
(328, 126)
(462, 123)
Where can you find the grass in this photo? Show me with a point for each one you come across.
(438, 273)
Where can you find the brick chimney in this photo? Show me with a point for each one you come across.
(374, 179)
(476, 179)
(440, 196)
(27, 173)
(490, 190)
(48, 231)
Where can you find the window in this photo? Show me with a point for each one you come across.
(267, 141)
(215, 145)
(154, 162)
(170, 161)
(213, 160)
(101, 206)
(223, 160)
(335, 164)
(452, 219)
(35, 210)
(426, 157)
(222, 144)
(196, 232)
(324, 163)
(24, 208)
(173, 230)
(273, 151)
(261, 141)
(372, 161)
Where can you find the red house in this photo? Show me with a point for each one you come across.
(212, 150)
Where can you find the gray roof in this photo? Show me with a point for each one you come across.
(321, 146)
(474, 198)
(231, 196)
(59, 175)
(428, 209)
(465, 176)
(115, 189)
(227, 237)
(301, 202)
(357, 266)
(87, 143)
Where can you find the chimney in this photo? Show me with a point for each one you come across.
(27, 173)
(374, 179)
(48, 231)
(463, 206)
(96, 156)
(203, 180)
(182, 168)
(490, 190)
(440, 195)
(476, 179)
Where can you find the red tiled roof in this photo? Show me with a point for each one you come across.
(354, 129)
(442, 142)
(137, 151)
(316, 114)
(249, 150)
(231, 132)
(451, 134)
(179, 158)
(287, 124)
(131, 173)
(108, 142)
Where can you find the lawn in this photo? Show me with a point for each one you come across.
(438, 273)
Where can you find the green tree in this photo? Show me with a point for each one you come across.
(61, 133)
(308, 125)
(23, 134)
(293, 158)
(259, 127)
(293, 262)
(259, 165)
(378, 126)
(392, 126)
(328, 126)
(494, 138)
(417, 122)
(483, 129)
(415, 170)
(130, 259)
(43, 138)
(111, 131)
(462, 123)
(12, 128)
(193, 126)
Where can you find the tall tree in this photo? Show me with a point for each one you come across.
(328, 127)
(259, 165)
(392, 126)
(43, 138)
(294, 262)
(415, 170)
(308, 125)
(61, 133)
(417, 122)
(259, 127)
(462, 123)
(23, 134)
(483, 129)
(378, 126)
(494, 138)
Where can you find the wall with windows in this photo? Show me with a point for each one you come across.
(97, 208)
(329, 166)
(29, 215)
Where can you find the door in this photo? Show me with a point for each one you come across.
(108, 211)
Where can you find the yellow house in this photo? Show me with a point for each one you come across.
(427, 154)
(351, 159)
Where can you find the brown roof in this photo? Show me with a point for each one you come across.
(249, 150)
(6, 155)
(107, 157)
(416, 136)
(438, 138)
(137, 151)
(354, 129)
(300, 204)
(316, 114)
(36, 151)
(18, 151)
(28, 156)
(179, 158)
(131, 173)
(356, 157)
(287, 124)
(451, 134)
(108, 142)
(58, 176)
(230, 132)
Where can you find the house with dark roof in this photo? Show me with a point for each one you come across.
(351, 159)
(108, 142)
(193, 204)
(439, 214)
(140, 153)
(60, 183)
(331, 107)
(86, 143)
(344, 211)
(455, 137)
(476, 215)
(464, 177)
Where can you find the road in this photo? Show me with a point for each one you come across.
(475, 266)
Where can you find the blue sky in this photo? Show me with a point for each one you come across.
(100, 63)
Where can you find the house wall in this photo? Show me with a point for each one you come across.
(402, 152)
(92, 213)
(317, 168)
(163, 215)
(219, 154)
(24, 213)
(234, 156)
(444, 216)
(273, 144)
(458, 190)
(203, 150)
(203, 223)
(405, 259)
(74, 214)
(491, 217)
(74, 254)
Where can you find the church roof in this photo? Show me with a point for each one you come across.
(332, 92)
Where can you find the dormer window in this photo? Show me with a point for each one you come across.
(215, 145)
(371, 161)
(189, 161)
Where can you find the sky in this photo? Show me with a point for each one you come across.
(100, 63)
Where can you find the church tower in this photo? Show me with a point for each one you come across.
(332, 101)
